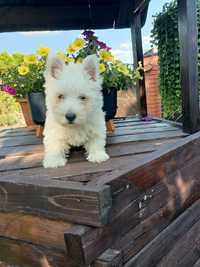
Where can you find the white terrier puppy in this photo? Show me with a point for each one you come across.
(74, 111)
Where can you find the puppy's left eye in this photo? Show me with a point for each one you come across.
(82, 97)
(61, 97)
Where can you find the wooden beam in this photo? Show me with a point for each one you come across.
(188, 36)
(84, 244)
(49, 198)
(20, 253)
(138, 57)
(151, 255)
(110, 258)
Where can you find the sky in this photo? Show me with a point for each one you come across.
(119, 40)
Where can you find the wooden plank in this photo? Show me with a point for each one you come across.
(139, 123)
(115, 150)
(110, 258)
(53, 199)
(188, 35)
(20, 150)
(132, 131)
(33, 140)
(85, 244)
(21, 253)
(144, 125)
(145, 136)
(18, 130)
(19, 141)
(185, 251)
(75, 156)
(170, 123)
(11, 134)
(35, 229)
(154, 251)
(155, 166)
(197, 264)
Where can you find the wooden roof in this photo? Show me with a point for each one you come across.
(29, 15)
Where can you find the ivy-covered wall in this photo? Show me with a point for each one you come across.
(165, 37)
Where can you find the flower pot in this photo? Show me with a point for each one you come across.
(37, 107)
(26, 111)
(110, 102)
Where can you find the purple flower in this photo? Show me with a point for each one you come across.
(8, 89)
(88, 34)
(108, 48)
(147, 118)
(102, 45)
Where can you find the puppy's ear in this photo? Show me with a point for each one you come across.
(55, 66)
(91, 66)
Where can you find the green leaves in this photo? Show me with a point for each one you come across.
(165, 36)
(9, 109)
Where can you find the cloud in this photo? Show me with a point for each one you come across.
(39, 33)
(146, 41)
(124, 52)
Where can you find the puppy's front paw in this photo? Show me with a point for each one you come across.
(54, 161)
(98, 157)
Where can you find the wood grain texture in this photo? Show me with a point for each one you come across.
(85, 244)
(152, 254)
(110, 258)
(56, 200)
(34, 229)
(24, 254)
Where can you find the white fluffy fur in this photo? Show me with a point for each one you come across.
(70, 83)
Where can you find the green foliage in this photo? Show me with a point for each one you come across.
(33, 80)
(165, 37)
(9, 109)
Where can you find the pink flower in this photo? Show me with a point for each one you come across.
(8, 89)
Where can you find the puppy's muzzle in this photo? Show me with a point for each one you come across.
(70, 117)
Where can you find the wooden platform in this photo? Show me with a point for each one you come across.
(108, 211)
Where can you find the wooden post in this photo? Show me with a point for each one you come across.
(136, 36)
(188, 36)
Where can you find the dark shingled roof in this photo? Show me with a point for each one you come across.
(29, 15)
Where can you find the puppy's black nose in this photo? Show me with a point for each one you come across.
(70, 117)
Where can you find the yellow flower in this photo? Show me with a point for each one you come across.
(123, 69)
(102, 68)
(43, 51)
(23, 70)
(71, 49)
(69, 59)
(105, 55)
(79, 60)
(30, 59)
(78, 43)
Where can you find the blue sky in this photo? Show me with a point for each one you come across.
(119, 40)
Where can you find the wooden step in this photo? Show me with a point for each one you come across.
(160, 250)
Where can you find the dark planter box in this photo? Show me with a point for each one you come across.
(110, 102)
(38, 107)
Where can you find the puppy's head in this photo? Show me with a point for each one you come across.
(73, 92)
